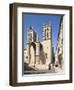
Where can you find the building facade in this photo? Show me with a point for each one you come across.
(59, 48)
(38, 55)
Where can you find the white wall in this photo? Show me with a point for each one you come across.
(4, 46)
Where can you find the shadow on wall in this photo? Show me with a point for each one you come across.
(42, 58)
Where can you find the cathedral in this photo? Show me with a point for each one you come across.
(38, 54)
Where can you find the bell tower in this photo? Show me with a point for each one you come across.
(31, 38)
(47, 43)
(31, 35)
(47, 31)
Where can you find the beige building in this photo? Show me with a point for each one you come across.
(38, 55)
(59, 49)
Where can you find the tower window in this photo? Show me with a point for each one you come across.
(45, 55)
(47, 35)
(30, 37)
(26, 57)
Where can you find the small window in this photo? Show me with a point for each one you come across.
(46, 55)
(26, 57)
(47, 35)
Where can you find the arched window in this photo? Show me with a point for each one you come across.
(46, 55)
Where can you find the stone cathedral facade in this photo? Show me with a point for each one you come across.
(38, 54)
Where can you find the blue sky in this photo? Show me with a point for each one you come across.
(37, 21)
